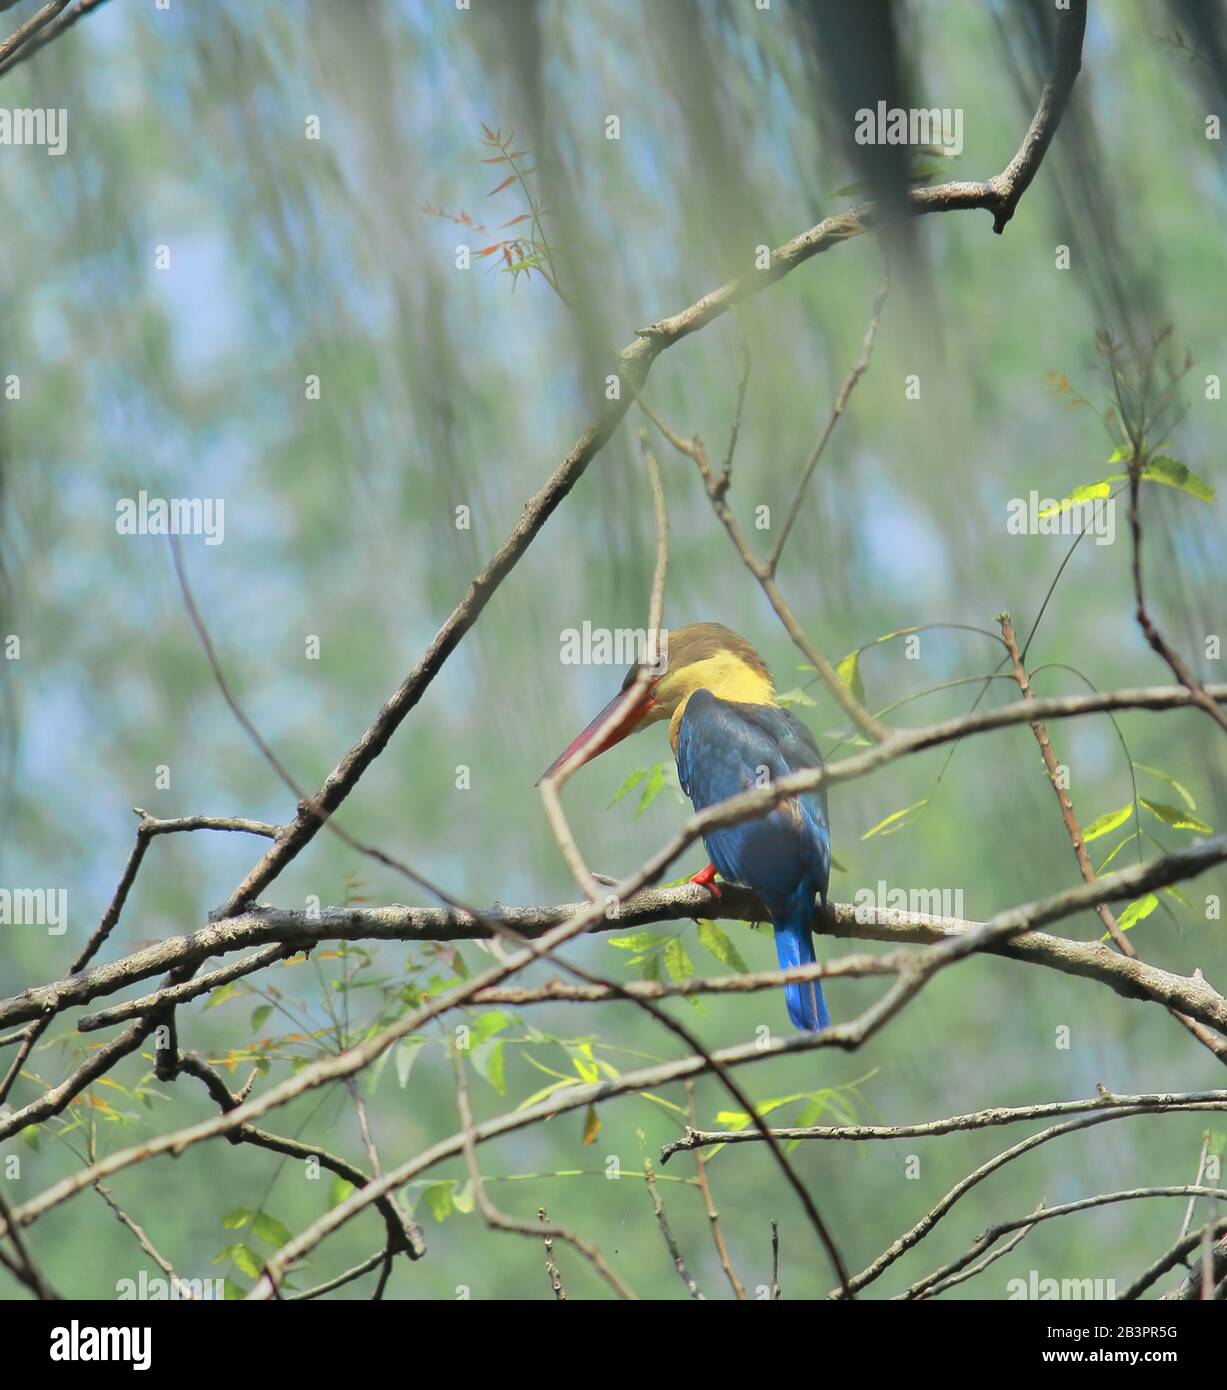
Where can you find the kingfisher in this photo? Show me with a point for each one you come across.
(729, 733)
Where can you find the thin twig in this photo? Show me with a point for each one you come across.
(662, 1220)
(713, 1217)
(551, 1264)
(855, 372)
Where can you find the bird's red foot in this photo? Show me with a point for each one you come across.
(707, 878)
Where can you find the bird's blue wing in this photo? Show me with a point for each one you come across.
(725, 747)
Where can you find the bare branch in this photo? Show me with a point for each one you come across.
(977, 1119)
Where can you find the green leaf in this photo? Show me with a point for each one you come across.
(406, 1054)
(894, 821)
(795, 697)
(718, 942)
(220, 995)
(338, 1192)
(1137, 911)
(640, 941)
(258, 1017)
(238, 1218)
(849, 671)
(1173, 892)
(271, 1231)
(438, 1197)
(629, 785)
(1167, 470)
(549, 1090)
(1175, 817)
(1088, 492)
(1180, 789)
(484, 1027)
(1105, 824)
(585, 1063)
(1128, 839)
(490, 1063)
(677, 962)
(656, 780)
(245, 1260)
(464, 1199)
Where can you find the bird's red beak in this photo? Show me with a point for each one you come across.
(622, 714)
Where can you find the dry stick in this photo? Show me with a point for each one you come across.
(553, 783)
(189, 989)
(1201, 1168)
(372, 1154)
(1203, 1035)
(775, 1260)
(855, 372)
(179, 1289)
(27, 31)
(999, 195)
(1170, 1258)
(550, 787)
(551, 1264)
(1156, 639)
(403, 1232)
(953, 1124)
(726, 472)
(379, 1257)
(933, 1284)
(662, 1221)
(1039, 729)
(21, 1266)
(499, 1220)
(46, 31)
(713, 1217)
(930, 1219)
(994, 1233)
(1193, 1286)
(148, 828)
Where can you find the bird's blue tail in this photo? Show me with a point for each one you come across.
(794, 945)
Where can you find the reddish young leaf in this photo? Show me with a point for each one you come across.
(523, 217)
(488, 249)
(498, 188)
(498, 159)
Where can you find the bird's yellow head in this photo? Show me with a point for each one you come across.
(700, 656)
